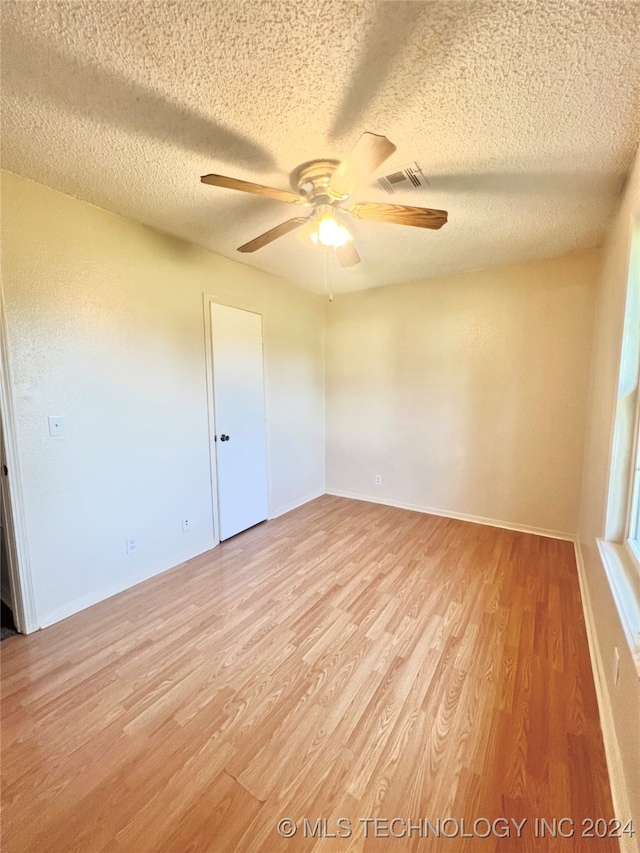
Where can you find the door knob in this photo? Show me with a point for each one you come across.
(224, 437)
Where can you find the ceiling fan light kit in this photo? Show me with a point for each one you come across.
(324, 185)
(332, 233)
(324, 230)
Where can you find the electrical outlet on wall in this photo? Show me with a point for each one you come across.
(132, 545)
(56, 425)
(378, 479)
(186, 525)
(616, 666)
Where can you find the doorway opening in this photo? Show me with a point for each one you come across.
(8, 621)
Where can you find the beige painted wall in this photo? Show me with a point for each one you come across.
(624, 699)
(467, 394)
(105, 327)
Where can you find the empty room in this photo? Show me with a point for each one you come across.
(319, 367)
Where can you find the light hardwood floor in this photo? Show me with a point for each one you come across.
(347, 660)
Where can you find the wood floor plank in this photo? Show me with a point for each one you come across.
(344, 660)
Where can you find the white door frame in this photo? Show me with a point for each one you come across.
(24, 608)
(207, 299)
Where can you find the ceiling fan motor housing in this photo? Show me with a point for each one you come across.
(311, 181)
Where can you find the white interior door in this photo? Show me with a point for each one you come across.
(238, 391)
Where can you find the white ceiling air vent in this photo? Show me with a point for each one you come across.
(409, 177)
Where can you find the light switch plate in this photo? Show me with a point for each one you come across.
(56, 425)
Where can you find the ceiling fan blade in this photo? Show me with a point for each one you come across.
(248, 187)
(273, 234)
(364, 158)
(347, 255)
(400, 214)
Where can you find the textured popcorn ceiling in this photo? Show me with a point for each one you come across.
(523, 115)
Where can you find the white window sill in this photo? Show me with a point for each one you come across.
(625, 586)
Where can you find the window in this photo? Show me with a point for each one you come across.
(620, 546)
(633, 532)
(629, 382)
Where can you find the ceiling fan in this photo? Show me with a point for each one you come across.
(323, 185)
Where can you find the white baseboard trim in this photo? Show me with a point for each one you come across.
(621, 803)
(283, 510)
(461, 516)
(78, 604)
